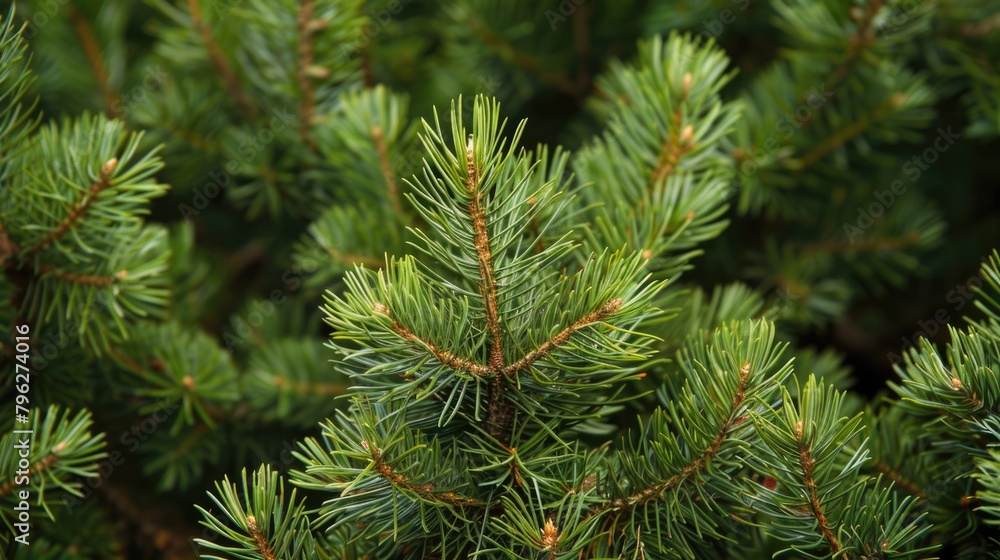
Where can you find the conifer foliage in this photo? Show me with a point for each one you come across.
(305, 294)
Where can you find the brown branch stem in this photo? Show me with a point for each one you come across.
(445, 357)
(392, 189)
(900, 480)
(484, 256)
(218, 60)
(306, 101)
(426, 490)
(373, 263)
(863, 245)
(676, 145)
(500, 411)
(85, 279)
(808, 465)
(845, 134)
(306, 388)
(262, 546)
(95, 59)
(87, 198)
(698, 464)
(505, 50)
(8, 248)
(606, 310)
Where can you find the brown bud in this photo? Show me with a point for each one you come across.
(550, 534)
(317, 72)
(686, 85)
(109, 167)
(687, 135)
(316, 25)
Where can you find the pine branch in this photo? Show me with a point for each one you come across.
(606, 310)
(392, 189)
(808, 464)
(445, 357)
(818, 500)
(268, 524)
(659, 179)
(62, 452)
(500, 420)
(84, 279)
(375, 463)
(623, 506)
(426, 490)
(36, 469)
(94, 57)
(87, 198)
(218, 60)
(851, 130)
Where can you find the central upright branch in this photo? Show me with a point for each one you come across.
(500, 413)
(488, 286)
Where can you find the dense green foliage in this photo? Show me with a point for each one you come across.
(299, 279)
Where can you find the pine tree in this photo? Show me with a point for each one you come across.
(389, 323)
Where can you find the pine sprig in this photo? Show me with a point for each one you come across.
(673, 478)
(480, 200)
(80, 253)
(17, 120)
(656, 175)
(63, 452)
(818, 502)
(394, 485)
(258, 520)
